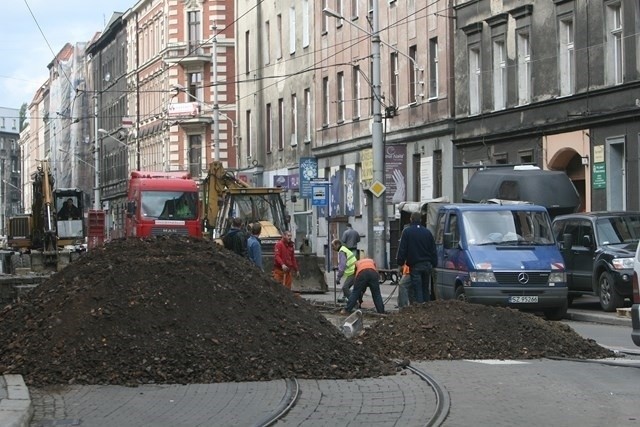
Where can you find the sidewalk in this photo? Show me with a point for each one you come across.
(15, 403)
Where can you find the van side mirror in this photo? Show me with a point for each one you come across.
(446, 240)
(586, 241)
(567, 240)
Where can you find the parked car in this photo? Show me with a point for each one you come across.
(635, 308)
(598, 250)
(500, 255)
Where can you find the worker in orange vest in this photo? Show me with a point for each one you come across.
(366, 277)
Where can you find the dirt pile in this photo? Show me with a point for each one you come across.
(171, 310)
(177, 310)
(456, 330)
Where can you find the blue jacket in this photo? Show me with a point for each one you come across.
(417, 246)
(254, 248)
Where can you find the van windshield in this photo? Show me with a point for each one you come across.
(168, 205)
(507, 228)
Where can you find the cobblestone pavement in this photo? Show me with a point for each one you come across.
(403, 399)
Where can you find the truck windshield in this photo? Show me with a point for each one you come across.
(618, 229)
(168, 205)
(507, 228)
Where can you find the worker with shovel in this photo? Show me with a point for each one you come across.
(346, 268)
(284, 261)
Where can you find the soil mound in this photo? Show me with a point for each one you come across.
(171, 310)
(458, 330)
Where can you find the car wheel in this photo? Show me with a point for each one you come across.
(557, 313)
(460, 295)
(609, 298)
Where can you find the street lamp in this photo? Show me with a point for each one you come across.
(379, 226)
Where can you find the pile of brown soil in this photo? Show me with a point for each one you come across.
(458, 330)
(178, 310)
(171, 310)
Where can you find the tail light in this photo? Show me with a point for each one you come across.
(636, 291)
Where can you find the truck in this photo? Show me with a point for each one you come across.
(162, 203)
(49, 238)
(226, 197)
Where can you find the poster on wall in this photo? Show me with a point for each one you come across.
(350, 194)
(308, 171)
(426, 178)
(395, 172)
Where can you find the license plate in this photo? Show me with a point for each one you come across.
(523, 299)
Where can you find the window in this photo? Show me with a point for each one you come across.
(524, 68)
(413, 75)
(566, 57)
(395, 79)
(195, 155)
(307, 115)
(339, 12)
(499, 75)
(279, 37)
(501, 158)
(195, 87)
(354, 9)
(614, 53)
(269, 122)
(526, 156)
(194, 29)
(294, 120)
(474, 80)
(371, 92)
(248, 140)
(340, 110)
(267, 36)
(433, 68)
(355, 80)
(280, 124)
(305, 23)
(247, 53)
(325, 101)
(292, 30)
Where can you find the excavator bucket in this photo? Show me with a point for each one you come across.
(312, 279)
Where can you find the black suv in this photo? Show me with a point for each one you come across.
(598, 250)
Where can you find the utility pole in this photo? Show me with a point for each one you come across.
(97, 204)
(216, 107)
(377, 146)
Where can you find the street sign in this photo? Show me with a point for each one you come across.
(319, 193)
(377, 188)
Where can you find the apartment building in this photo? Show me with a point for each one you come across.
(555, 83)
(9, 165)
(417, 104)
(275, 75)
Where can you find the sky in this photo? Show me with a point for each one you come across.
(34, 31)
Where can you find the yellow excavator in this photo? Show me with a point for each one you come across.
(226, 197)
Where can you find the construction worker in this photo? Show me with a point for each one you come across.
(366, 277)
(346, 268)
(284, 261)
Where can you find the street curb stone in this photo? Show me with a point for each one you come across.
(16, 409)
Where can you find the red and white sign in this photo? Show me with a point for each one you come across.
(183, 109)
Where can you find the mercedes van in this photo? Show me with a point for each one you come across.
(500, 254)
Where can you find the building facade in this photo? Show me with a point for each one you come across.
(9, 165)
(554, 83)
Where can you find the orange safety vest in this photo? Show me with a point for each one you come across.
(364, 264)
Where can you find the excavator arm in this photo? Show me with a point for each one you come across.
(216, 185)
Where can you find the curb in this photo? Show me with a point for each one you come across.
(16, 410)
(595, 318)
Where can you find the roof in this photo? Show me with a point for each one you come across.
(598, 214)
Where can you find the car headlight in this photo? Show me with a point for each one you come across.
(557, 277)
(622, 263)
(482, 276)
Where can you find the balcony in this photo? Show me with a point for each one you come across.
(187, 53)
